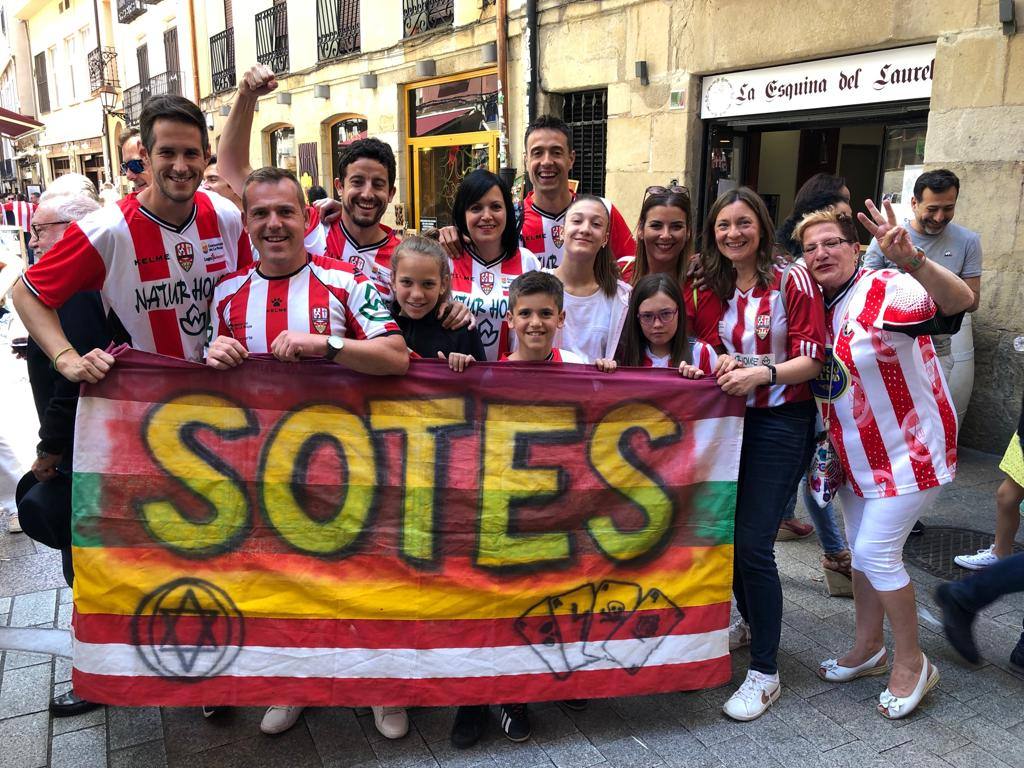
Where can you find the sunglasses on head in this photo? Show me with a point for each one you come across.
(135, 166)
(672, 189)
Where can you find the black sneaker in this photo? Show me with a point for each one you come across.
(515, 722)
(957, 623)
(469, 726)
(576, 705)
(1017, 655)
(918, 529)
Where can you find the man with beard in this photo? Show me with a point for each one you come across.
(132, 166)
(154, 257)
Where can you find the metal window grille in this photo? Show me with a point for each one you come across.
(222, 60)
(421, 15)
(102, 69)
(272, 37)
(134, 98)
(337, 28)
(165, 82)
(129, 10)
(586, 113)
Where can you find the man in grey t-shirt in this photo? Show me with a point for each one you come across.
(954, 247)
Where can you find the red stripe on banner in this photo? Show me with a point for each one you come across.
(150, 255)
(421, 634)
(359, 692)
(277, 309)
(166, 334)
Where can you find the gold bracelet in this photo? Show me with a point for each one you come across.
(57, 356)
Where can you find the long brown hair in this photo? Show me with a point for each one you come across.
(634, 343)
(680, 200)
(719, 274)
(606, 273)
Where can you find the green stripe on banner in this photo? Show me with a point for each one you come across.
(86, 509)
(714, 511)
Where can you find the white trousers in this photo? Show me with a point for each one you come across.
(877, 529)
(958, 368)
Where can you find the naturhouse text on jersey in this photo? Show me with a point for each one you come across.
(187, 293)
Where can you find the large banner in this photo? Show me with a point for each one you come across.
(300, 534)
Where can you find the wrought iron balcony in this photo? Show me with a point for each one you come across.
(165, 82)
(272, 37)
(129, 10)
(134, 99)
(337, 28)
(422, 15)
(102, 70)
(222, 60)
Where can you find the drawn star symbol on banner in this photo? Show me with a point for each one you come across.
(205, 641)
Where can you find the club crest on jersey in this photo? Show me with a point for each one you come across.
(763, 326)
(185, 255)
(357, 262)
(486, 281)
(319, 315)
(558, 235)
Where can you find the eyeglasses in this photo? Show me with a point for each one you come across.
(827, 245)
(665, 316)
(135, 166)
(36, 227)
(672, 189)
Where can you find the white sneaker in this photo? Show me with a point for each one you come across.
(753, 698)
(739, 634)
(983, 559)
(392, 722)
(279, 719)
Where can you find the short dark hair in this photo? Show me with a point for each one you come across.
(126, 134)
(213, 161)
(937, 181)
(819, 191)
(316, 192)
(272, 175)
(167, 106)
(371, 149)
(475, 185)
(530, 283)
(549, 123)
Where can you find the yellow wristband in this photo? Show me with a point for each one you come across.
(57, 356)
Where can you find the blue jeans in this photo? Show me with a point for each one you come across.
(776, 450)
(988, 585)
(824, 518)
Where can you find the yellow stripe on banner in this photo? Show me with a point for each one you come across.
(116, 581)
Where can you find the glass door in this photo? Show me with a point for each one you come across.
(438, 169)
(902, 163)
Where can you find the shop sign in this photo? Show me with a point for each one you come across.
(899, 74)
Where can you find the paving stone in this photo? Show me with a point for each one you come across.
(80, 749)
(5, 605)
(506, 754)
(551, 725)
(64, 611)
(33, 573)
(149, 755)
(24, 740)
(187, 732)
(65, 595)
(448, 756)
(822, 732)
(915, 755)
(573, 751)
(290, 749)
(630, 752)
(678, 748)
(990, 737)
(972, 756)
(933, 737)
(337, 737)
(17, 659)
(795, 753)
(129, 726)
(743, 751)
(799, 679)
(34, 609)
(61, 669)
(77, 723)
(25, 690)
(854, 755)
(837, 705)
(433, 723)
(403, 753)
(710, 726)
(1004, 711)
(601, 723)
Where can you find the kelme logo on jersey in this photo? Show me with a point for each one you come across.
(486, 281)
(185, 255)
(318, 316)
(833, 381)
(558, 235)
(762, 326)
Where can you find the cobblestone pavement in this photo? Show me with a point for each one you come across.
(974, 718)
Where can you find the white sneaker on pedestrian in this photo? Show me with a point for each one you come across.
(753, 698)
(983, 559)
(279, 719)
(392, 722)
(739, 634)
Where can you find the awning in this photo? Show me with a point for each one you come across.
(14, 125)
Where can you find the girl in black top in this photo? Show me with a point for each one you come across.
(421, 280)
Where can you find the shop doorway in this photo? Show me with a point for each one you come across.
(876, 157)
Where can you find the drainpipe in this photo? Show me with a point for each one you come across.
(532, 63)
(107, 154)
(195, 50)
(506, 170)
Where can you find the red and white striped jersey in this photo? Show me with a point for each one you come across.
(760, 328)
(23, 212)
(484, 289)
(314, 239)
(156, 277)
(372, 260)
(543, 233)
(702, 355)
(326, 297)
(557, 356)
(893, 423)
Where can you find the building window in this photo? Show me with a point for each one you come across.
(42, 87)
(51, 66)
(272, 37)
(71, 60)
(343, 133)
(222, 60)
(59, 166)
(282, 148)
(337, 28)
(453, 129)
(422, 15)
(586, 113)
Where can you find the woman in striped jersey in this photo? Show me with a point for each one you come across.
(892, 424)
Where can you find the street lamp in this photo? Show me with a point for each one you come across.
(109, 97)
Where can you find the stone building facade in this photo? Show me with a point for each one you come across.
(432, 76)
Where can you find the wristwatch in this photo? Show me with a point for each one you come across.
(334, 345)
(773, 373)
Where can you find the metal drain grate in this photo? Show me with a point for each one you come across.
(934, 550)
